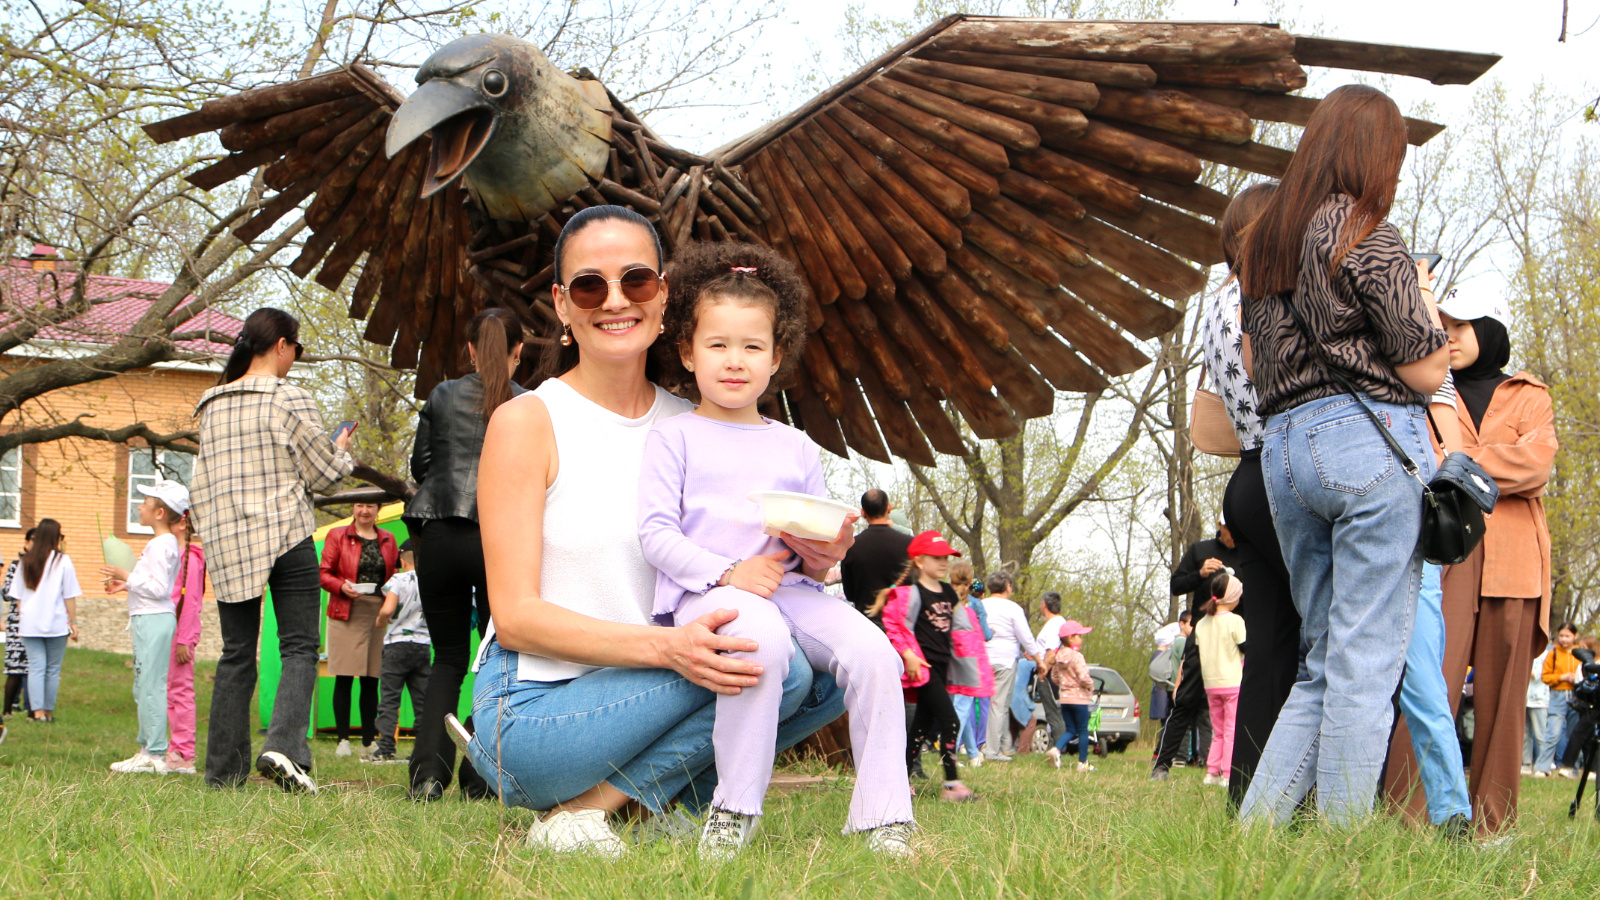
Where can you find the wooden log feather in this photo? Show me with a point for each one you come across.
(1081, 95)
(931, 316)
(1177, 112)
(815, 266)
(1046, 118)
(918, 352)
(1053, 359)
(918, 208)
(1035, 193)
(974, 173)
(936, 425)
(811, 218)
(958, 294)
(1025, 255)
(880, 281)
(1145, 42)
(1296, 110)
(244, 136)
(819, 424)
(1140, 314)
(858, 319)
(1145, 264)
(1119, 145)
(273, 210)
(254, 104)
(824, 377)
(1002, 129)
(895, 424)
(778, 237)
(1263, 159)
(860, 429)
(1279, 76)
(884, 246)
(225, 170)
(1134, 76)
(947, 195)
(1081, 181)
(337, 185)
(1196, 198)
(914, 243)
(1172, 230)
(1019, 220)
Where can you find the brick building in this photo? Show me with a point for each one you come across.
(89, 486)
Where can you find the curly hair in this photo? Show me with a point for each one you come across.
(704, 272)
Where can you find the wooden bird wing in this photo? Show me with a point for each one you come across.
(999, 208)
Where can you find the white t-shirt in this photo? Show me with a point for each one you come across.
(42, 611)
(1012, 635)
(408, 623)
(150, 582)
(1050, 634)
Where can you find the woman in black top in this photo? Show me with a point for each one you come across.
(443, 519)
(1348, 516)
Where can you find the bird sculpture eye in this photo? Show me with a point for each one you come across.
(494, 82)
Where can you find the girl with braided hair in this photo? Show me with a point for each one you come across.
(737, 320)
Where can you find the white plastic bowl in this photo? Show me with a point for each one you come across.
(801, 515)
(366, 588)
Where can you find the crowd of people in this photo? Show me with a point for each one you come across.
(648, 645)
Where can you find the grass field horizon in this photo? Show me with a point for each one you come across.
(68, 827)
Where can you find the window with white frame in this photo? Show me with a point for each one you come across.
(145, 467)
(11, 488)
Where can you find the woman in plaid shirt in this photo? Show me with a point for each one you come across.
(263, 450)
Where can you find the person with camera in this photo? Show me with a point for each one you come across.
(1497, 603)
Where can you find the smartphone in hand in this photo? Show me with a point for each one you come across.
(344, 427)
(1432, 259)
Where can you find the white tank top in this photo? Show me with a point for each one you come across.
(593, 563)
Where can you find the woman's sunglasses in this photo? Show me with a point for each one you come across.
(589, 290)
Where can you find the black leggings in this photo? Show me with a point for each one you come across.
(369, 707)
(936, 715)
(449, 567)
(1270, 620)
(14, 685)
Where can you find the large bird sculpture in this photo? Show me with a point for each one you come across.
(994, 211)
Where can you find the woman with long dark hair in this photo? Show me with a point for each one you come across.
(443, 517)
(1348, 516)
(47, 593)
(263, 450)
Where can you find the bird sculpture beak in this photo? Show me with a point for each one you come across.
(461, 119)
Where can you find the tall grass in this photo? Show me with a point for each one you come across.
(70, 828)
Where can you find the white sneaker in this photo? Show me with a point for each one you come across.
(369, 749)
(1213, 779)
(140, 762)
(1539, 774)
(343, 749)
(1055, 757)
(577, 831)
(892, 840)
(725, 834)
(976, 760)
(1567, 772)
(1526, 771)
(286, 772)
(1085, 767)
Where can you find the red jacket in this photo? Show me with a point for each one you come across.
(341, 554)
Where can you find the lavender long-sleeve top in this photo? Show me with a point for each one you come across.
(695, 515)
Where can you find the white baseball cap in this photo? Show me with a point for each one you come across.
(1464, 305)
(173, 494)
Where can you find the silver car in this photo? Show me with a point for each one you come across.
(1119, 713)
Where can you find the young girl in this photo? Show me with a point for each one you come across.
(187, 593)
(970, 700)
(151, 620)
(1221, 636)
(1070, 671)
(941, 643)
(737, 317)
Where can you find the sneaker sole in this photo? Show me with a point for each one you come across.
(288, 776)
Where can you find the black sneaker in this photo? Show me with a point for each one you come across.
(428, 791)
(1457, 829)
(916, 769)
(1159, 773)
(382, 756)
(285, 772)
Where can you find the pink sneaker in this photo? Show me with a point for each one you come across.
(177, 765)
(956, 792)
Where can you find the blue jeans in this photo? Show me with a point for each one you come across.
(967, 715)
(1425, 701)
(1348, 520)
(646, 732)
(1559, 721)
(1533, 738)
(1076, 716)
(44, 670)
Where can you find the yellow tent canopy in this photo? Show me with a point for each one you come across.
(386, 514)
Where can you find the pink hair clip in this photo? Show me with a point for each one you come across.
(748, 270)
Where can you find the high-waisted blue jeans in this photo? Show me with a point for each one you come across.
(646, 732)
(1348, 519)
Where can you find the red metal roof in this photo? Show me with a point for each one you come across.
(122, 302)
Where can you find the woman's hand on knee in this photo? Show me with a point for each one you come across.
(695, 652)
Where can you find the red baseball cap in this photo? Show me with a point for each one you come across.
(931, 543)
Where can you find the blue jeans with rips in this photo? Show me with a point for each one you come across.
(1425, 701)
(646, 732)
(1348, 519)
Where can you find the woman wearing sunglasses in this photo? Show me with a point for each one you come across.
(263, 450)
(583, 707)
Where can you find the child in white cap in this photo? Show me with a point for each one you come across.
(152, 620)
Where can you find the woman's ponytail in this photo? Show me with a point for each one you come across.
(493, 333)
(261, 330)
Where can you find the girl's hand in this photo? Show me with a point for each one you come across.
(760, 575)
(820, 556)
(72, 631)
(114, 573)
(914, 665)
(183, 653)
(695, 651)
(115, 586)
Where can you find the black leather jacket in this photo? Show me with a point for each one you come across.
(444, 459)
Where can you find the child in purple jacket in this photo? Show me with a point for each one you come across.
(736, 317)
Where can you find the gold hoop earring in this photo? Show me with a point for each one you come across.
(566, 336)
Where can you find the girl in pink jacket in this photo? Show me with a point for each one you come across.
(941, 643)
(1070, 671)
(188, 590)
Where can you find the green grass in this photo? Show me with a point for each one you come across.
(70, 828)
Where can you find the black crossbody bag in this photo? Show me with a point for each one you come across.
(1453, 503)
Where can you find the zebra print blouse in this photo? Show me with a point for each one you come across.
(1369, 315)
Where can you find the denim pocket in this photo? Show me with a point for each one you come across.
(1350, 455)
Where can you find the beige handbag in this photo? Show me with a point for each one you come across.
(1210, 429)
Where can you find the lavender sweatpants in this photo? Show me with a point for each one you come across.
(836, 639)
